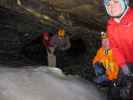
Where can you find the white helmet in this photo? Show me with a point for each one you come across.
(126, 2)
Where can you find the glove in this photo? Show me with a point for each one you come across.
(125, 70)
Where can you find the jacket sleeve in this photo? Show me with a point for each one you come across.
(97, 58)
(117, 53)
(67, 43)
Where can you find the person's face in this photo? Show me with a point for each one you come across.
(105, 43)
(61, 33)
(114, 7)
(46, 37)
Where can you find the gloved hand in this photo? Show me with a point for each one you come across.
(125, 70)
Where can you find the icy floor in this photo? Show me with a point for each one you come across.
(44, 83)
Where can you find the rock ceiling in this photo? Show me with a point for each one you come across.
(86, 13)
(67, 12)
(77, 16)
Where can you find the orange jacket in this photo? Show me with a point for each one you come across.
(121, 38)
(108, 62)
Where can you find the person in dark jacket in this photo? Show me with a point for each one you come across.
(61, 43)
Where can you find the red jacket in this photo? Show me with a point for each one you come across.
(47, 43)
(121, 38)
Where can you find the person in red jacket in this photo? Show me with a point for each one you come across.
(120, 32)
(49, 48)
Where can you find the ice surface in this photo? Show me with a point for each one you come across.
(44, 83)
